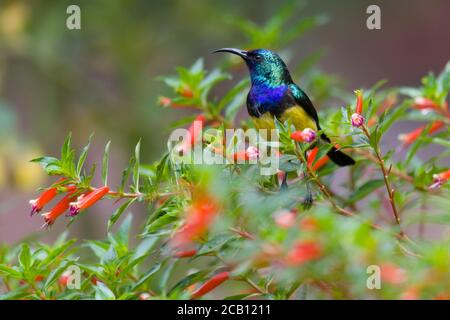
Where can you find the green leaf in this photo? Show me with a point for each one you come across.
(143, 279)
(123, 233)
(215, 243)
(56, 273)
(187, 281)
(66, 150)
(126, 174)
(119, 211)
(102, 292)
(105, 164)
(392, 116)
(15, 295)
(10, 271)
(137, 154)
(51, 165)
(365, 190)
(25, 257)
(164, 280)
(157, 225)
(83, 155)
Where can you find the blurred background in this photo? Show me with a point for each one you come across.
(104, 77)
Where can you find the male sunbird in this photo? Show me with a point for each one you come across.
(273, 94)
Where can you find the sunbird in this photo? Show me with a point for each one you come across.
(273, 94)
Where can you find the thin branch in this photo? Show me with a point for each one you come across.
(387, 183)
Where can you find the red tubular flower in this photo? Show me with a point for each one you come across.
(409, 138)
(359, 101)
(185, 253)
(199, 217)
(87, 200)
(422, 103)
(319, 163)
(59, 209)
(304, 251)
(194, 130)
(306, 135)
(38, 204)
(440, 179)
(211, 284)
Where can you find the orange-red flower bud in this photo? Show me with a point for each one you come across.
(359, 101)
(409, 138)
(211, 284)
(85, 201)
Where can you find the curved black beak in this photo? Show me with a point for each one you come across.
(239, 52)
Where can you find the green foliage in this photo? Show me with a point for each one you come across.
(272, 245)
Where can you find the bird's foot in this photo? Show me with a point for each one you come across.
(308, 201)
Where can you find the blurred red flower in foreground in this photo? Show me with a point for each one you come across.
(426, 104)
(199, 217)
(185, 253)
(87, 200)
(304, 251)
(211, 284)
(392, 274)
(440, 179)
(409, 138)
(309, 224)
(285, 218)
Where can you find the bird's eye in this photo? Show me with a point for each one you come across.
(258, 57)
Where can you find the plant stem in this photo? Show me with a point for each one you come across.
(387, 183)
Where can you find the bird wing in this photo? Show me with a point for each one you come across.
(302, 100)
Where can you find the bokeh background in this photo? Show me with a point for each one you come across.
(104, 77)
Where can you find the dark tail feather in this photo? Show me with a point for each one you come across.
(338, 157)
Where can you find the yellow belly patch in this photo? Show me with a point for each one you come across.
(297, 116)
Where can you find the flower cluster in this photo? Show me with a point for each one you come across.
(73, 201)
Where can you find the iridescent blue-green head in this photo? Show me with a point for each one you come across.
(265, 66)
